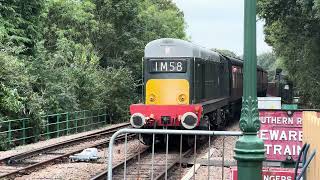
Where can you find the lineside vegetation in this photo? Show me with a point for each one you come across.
(292, 29)
(66, 55)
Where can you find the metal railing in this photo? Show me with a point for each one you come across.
(305, 162)
(28, 130)
(153, 164)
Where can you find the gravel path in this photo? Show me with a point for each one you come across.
(20, 149)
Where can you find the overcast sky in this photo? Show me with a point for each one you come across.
(218, 24)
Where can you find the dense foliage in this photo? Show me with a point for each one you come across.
(292, 29)
(226, 52)
(270, 63)
(66, 55)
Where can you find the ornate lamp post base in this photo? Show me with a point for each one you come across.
(249, 152)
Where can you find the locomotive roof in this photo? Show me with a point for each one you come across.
(239, 62)
(169, 47)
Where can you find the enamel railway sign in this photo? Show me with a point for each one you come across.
(281, 131)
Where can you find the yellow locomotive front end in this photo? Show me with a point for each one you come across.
(167, 92)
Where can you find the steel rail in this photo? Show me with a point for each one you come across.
(163, 173)
(39, 164)
(15, 158)
(103, 175)
(119, 166)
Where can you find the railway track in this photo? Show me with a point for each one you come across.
(33, 160)
(139, 166)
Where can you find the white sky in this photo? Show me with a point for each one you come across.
(218, 24)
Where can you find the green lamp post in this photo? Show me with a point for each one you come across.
(249, 149)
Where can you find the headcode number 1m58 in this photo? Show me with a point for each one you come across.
(168, 66)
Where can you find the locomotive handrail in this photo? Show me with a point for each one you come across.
(163, 131)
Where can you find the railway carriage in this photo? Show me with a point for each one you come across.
(190, 87)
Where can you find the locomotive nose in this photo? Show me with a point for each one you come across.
(137, 120)
(189, 120)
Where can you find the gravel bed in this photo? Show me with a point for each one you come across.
(229, 143)
(25, 148)
(84, 170)
(142, 169)
(215, 173)
(216, 146)
(202, 173)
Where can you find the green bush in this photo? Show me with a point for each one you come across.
(60, 56)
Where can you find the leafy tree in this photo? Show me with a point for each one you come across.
(63, 55)
(59, 55)
(166, 5)
(64, 50)
(226, 52)
(268, 61)
(119, 88)
(19, 23)
(17, 98)
(161, 21)
(19, 31)
(126, 26)
(118, 29)
(292, 28)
